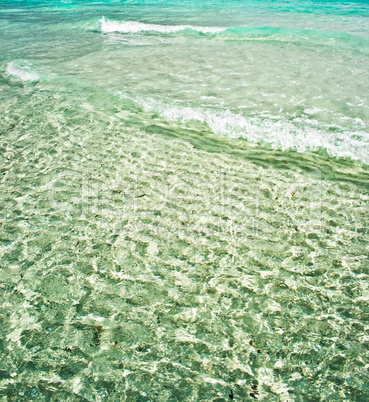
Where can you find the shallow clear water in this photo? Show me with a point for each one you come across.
(184, 200)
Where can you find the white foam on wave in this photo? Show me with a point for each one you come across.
(279, 134)
(107, 26)
(23, 72)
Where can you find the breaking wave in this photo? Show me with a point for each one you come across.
(280, 134)
(24, 72)
(107, 26)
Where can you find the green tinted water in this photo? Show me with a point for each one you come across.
(156, 242)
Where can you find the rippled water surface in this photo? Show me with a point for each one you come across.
(184, 201)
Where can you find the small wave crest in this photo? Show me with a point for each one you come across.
(107, 26)
(23, 72)
(240, 33)
(279, 134)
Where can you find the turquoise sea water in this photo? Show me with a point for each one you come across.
(184, 200)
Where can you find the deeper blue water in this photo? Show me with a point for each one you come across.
(184, 200)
